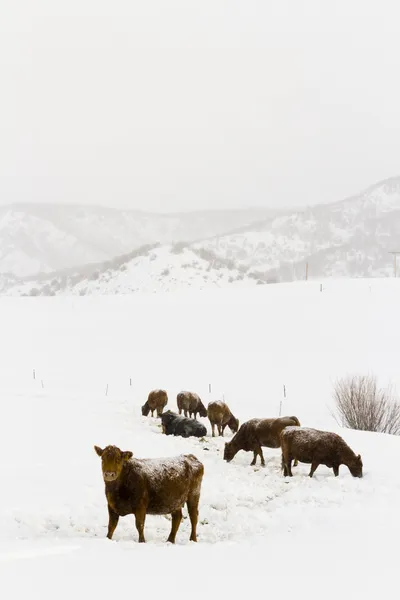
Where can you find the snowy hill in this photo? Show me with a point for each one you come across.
(75, 372)
(38, 238)
(147, 269)
(351, 238)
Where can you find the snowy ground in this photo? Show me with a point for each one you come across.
(95, 359)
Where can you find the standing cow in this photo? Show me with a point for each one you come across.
(190, 403)
(220, 415)
(150, 486)
(156, 401)
(315, 447)
(256, 433)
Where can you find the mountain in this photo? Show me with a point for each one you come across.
(352, 237)
(151, 268)
(41, 238)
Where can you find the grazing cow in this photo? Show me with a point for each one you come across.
(189, 402)
(150, 486)
(220, 415)
(256, 433)
(315, 447)
(173, 424)
(157, 400)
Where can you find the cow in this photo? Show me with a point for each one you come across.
(254, 434)
(156, 401)
(150, 486)
(220, 415)
(190, 403)
(173, 424)
(315, 447)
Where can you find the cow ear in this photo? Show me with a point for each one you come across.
(127, 455)
(359, 457)
(98, 450)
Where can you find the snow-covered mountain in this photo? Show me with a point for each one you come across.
(351, 238)
(151, 268)
(40, 238)
(348, 238)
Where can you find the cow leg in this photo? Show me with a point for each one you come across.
(296, 462)
(113, 519)
(176, 521)
(314, 467)
(185, 412)
(193, 510)
(213, 429)
(223, 429)
(152, 412)
(180, 411)
(260, 454)
(336, 470)
(219, 429)
(253, 462)
(140, 516)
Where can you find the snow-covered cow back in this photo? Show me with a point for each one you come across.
(191, 404)
(315, 447)
(254, 434)
(154, 486)
(157, 400)
(173, 424)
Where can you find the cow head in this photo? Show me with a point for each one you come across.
(145, 409)
(229, 452)
(356, 467)
(112, 461)
(233, 424)
(202, 410)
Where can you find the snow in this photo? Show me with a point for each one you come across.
(258, 532)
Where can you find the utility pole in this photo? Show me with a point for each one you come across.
(395, 261)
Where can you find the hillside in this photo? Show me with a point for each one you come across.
(95, 360)
(351, 238)
(152, 268)
(40, 238)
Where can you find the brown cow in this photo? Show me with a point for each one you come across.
(315, 447)
(189, 402)
(220, 415)
(256, 433)
(150, 486)
(157, 400)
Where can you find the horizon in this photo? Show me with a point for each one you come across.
(255, 208)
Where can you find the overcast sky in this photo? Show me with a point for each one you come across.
(173, 105)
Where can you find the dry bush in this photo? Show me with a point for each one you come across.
(360, 404)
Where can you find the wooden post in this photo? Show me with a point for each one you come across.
(209, 388)
(320, 289)
(306, 271)
(42, 383)
(34, 373)
(107, 390)
(130, 381)
(395, 261)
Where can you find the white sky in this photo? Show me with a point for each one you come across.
(178, 105)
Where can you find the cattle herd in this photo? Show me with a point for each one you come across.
(162, 486)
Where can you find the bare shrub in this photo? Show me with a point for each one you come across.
(361, 405)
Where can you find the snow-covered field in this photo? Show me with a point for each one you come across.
(94, 361)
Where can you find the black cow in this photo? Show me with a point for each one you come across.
(173, 424)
